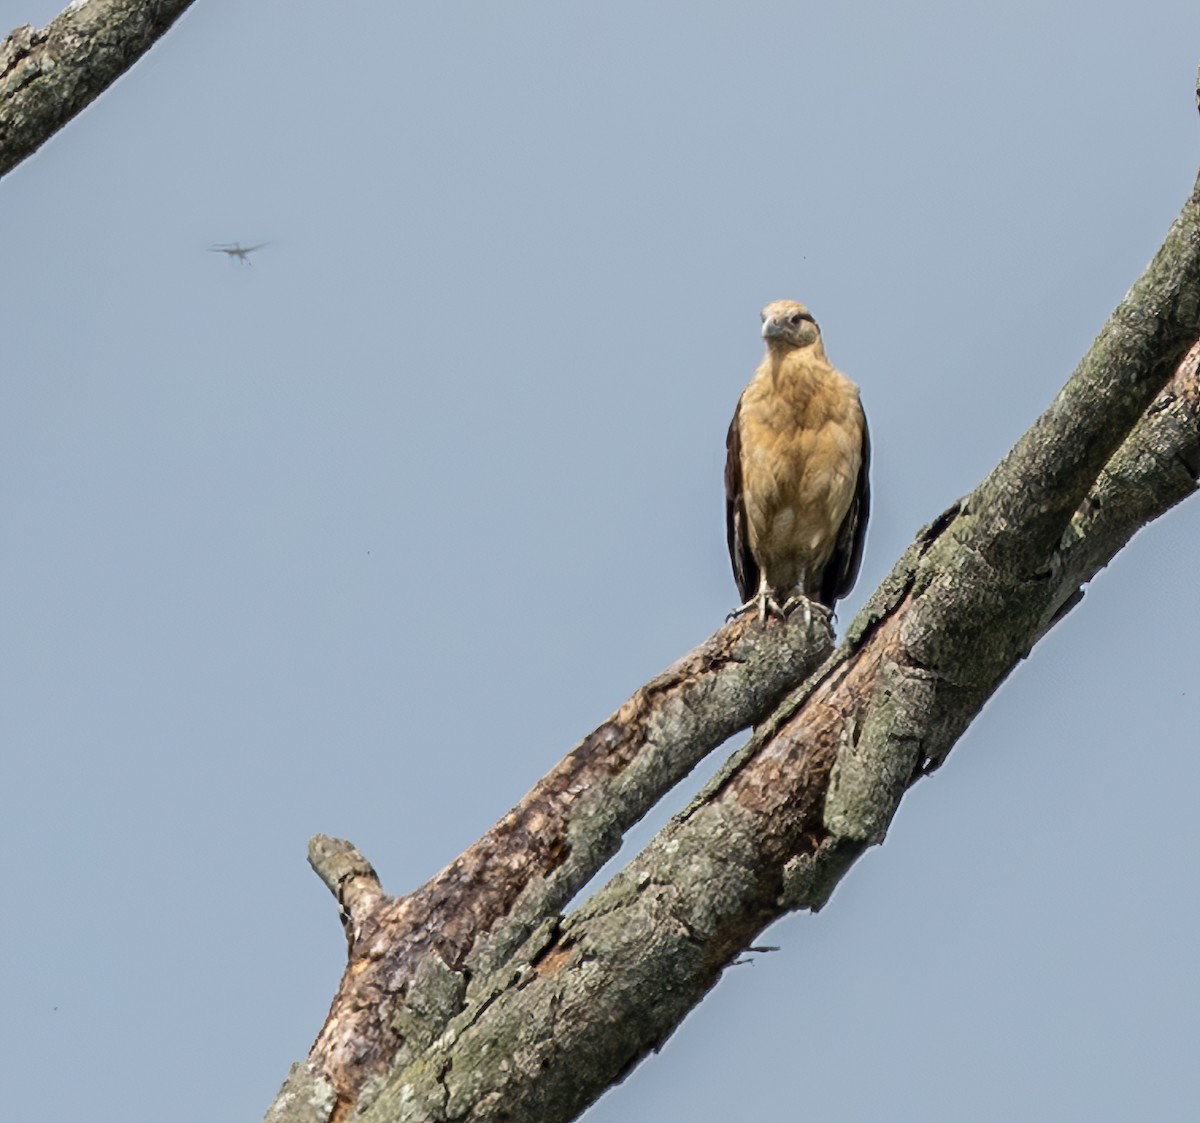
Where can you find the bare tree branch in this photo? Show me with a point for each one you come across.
(473, 998)
(48, 75)
(481, 1002)
(589, 995)
(473, 914)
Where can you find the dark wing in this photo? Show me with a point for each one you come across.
(737, 533)
(841, 571)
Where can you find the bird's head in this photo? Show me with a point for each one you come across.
(786, 325)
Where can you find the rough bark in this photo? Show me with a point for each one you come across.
(48, 75)
(474, 998)
(467, 920)
(512, 1011)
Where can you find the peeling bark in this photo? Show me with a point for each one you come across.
(577, 1007)
(48, 75)
(474, 999)
(397, 993)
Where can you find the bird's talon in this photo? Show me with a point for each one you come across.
(768, 606)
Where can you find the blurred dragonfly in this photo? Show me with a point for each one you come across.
(236, 250)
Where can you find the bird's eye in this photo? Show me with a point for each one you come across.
(795, 319)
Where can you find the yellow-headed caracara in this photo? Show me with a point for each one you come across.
(796, 489)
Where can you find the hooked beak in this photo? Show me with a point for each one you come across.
(772, 329)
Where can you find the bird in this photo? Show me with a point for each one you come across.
(237, 251)
(797, 488)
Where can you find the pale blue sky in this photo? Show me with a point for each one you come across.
(363, 538)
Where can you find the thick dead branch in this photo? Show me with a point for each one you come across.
(538, 1033)
(591, 994)
(528, 866)
(48, 75)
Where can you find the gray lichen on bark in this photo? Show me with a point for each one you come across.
(875, 764)
(48, 75)
(306, 1097)
(546, 1024)
(474, 998)
(416, 961)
